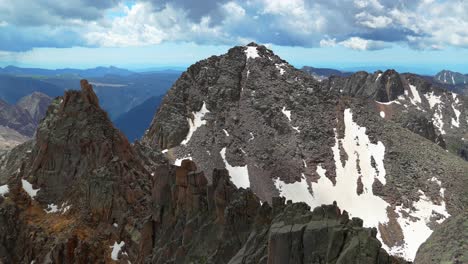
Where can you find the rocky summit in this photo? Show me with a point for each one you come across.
(389, 148)
(80, 193)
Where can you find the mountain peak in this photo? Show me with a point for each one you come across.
(88, 93)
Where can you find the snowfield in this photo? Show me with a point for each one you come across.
(239, 174)
(196, 122)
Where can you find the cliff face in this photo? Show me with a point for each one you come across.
(80, 193)
(79, 172)
(365, 141)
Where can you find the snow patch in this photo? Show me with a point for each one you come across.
(4, 189)
(415, 228)
(287, 113)
(51, 208)
(225, 132)
(433, 99)
(280, 66)
(251, 52)
(116, 248)
(178, 162)
(164, 151)
(296, 191)
(28, 188)
(196, 122)
(382, 114)
(239, 174)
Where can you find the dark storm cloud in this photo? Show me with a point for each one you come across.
(25, 39)
(195, 9)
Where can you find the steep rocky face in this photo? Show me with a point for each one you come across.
(380, 86)
(80, 193)
(199, 223)
(421, 107)
(280, 132)
(35, 104)
(447, 244)
(69, 186)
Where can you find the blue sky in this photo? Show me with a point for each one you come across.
(422, 36)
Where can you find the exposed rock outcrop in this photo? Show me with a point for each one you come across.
(199, 223)
(80, 193)
(71, 184)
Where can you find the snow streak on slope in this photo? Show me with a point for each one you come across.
(287, 113)
(415, 99)
(455, 122)
(196, 122)
(378, 77)
(360, 151)
(296, 191)
(239, 174)
(436, 102)
(116, 248)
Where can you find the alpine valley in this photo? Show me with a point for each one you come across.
(246, 160)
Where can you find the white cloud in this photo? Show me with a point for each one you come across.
(328, 42)
(371, 21)
(368, 4)
(141, 26)
(357, 43)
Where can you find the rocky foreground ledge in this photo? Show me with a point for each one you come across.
(80, 193)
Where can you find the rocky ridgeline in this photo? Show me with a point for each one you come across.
(412, 102)
(384, 141)
(80, 193)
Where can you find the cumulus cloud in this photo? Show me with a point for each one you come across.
(357, 43)
(356, 24)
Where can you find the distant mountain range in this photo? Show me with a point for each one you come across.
(87, 73)
(323, 73)
(18, 122)
(450, 77)
(119, 90)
